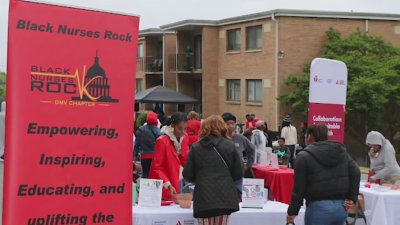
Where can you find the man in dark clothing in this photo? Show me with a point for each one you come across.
(302, 137)
(268, 134)
(145, 141)
(327, 177)
(243, 146)
(160, 113)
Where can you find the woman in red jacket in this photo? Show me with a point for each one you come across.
(171, 152)
(194, 126)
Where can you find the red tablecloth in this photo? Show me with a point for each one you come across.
(279, 181)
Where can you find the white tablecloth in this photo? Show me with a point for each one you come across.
(273, 213)
(381, 208)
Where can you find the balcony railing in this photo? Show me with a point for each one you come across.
(140, 65)
(181, 63)
(149, 64)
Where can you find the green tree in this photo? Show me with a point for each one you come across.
(140, 120)
(373, 92)
(2, 86)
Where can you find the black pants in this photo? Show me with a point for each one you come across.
(146, 164)
(292, 148)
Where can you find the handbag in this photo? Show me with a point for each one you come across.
(223, 160)
(229, 171)
(220, 156)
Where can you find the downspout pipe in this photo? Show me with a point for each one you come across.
(276, 71)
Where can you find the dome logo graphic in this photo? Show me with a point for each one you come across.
(95, 85)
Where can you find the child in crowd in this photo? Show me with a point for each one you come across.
(283, 152)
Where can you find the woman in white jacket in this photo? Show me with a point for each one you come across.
(383, 159)
(289, 132)
(259, 140)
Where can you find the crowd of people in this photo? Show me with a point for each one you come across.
(215, 156)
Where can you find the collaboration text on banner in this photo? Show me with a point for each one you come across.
(332, 115)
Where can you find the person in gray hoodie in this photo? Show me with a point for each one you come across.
(383, 159)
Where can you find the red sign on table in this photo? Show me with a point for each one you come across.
(70, 108)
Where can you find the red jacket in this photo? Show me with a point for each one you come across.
(251, 125)
(193, 130)
(166, 163)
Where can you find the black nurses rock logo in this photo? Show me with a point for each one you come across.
(86, 87)
(95, 86)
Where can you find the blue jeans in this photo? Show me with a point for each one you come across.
(326, 212)
(146, 164)
(292, 149)
(239, 185)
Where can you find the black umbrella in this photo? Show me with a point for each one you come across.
(163, 95)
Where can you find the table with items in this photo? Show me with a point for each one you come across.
(381, 204)
(273, 213)
(280, 181)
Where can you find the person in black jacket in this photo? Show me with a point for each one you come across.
(302, 137)
(145, 142)
(327, 177)
(213, 165)
(268, 134)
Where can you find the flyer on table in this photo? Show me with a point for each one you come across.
(150, 193)
(253, 193)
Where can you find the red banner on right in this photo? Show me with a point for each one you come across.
(327, 98)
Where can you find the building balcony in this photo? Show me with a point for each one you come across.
(149, 65)
(140, 65)
(183, 63)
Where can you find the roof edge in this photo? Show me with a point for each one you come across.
(192, 22)
(309, 13)
(283, 13)
(154, 31)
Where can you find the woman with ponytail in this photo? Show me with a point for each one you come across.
(171, 151)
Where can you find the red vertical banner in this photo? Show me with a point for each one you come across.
(70, 108)
(327, 98)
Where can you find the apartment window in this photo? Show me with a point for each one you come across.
(140, 51)
(139, 85)
(233, 90)
(254, 37)
(234, 40)
(254, 90)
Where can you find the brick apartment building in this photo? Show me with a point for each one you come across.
(239, 64)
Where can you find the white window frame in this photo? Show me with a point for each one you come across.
(252, 97)
(233, 92)
(256, 41)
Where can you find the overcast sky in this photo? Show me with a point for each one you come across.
(159, 12)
